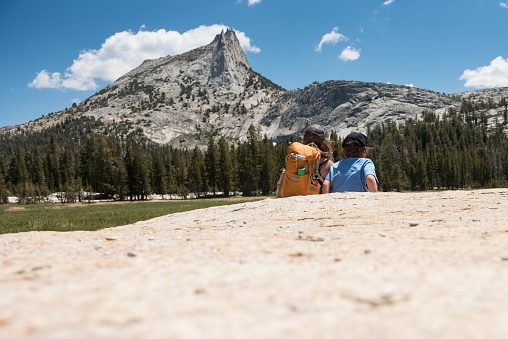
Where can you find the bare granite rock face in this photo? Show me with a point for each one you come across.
(228, 56)
(352, 265)
(347, 106)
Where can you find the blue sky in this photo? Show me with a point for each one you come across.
(54, 53)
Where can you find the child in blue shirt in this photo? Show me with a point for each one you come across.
(355, 173)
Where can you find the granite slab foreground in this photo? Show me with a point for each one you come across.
(350, 265)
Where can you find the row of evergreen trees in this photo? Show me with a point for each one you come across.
(456, 150)
(132, 169)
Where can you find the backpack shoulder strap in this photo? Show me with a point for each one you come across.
(324, 160)
(325, 157)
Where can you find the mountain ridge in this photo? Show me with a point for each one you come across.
(211, 90)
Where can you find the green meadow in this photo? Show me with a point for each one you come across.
(93, 216)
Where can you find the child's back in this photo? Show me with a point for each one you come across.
(355, 173)
(349, 175)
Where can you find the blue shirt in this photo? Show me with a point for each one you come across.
(348, 175)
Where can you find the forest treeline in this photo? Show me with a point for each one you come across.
(134, 168)
(458, 149)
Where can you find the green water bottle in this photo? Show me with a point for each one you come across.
(301, 171)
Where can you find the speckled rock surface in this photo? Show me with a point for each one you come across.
(353, 265)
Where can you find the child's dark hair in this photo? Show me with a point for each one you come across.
(355, 151)
(323, 145)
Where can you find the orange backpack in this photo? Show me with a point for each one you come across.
(300, 172)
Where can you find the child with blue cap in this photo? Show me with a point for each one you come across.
(355, 173)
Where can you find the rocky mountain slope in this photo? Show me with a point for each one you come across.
(212, 90)
(345, 106)
(350, 105)
(209, 90)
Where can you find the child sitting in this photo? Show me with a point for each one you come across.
(355, 173)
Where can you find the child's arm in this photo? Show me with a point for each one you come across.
(327, 185)
(371, 183)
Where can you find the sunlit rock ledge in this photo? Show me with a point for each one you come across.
(350, 265)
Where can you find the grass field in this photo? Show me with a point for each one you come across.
(90, 217)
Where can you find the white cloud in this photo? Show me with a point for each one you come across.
(503, 4)
(331, 38)
(387, 2)
(493, 75)
(409, 85)
(349, 54)
(245, 43)
(45, 80)
(126, 50)
(75, 101)
(249, 2)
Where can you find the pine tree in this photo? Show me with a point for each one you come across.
(421, 174)
(37, 170)
(243, 172)
(159, 174)
(234, 168)
(143, 165)
(281, 150)
(170, 171)
(4, 194)
(504, 162)
(3, 171)
(333, 136)
(389, 172)
(225, 165)
(103, 171)
(251, 162)
(336, 146)
(120, 177)
(66, 165)
(27, 194)
(86, 157)
(197, 172)
(51, 165)
(211, 162)
(17, 172)
(138, 172)
(181, 173)
(398, 173)
(268, 170)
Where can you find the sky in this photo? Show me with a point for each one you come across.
(55, 53)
